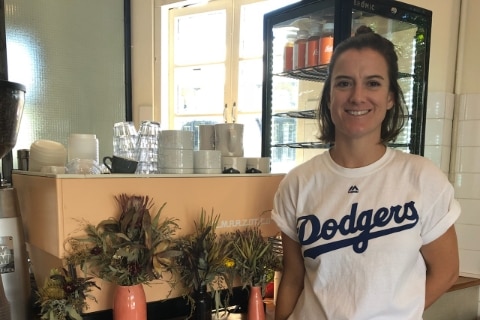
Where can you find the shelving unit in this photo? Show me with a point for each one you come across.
(288, 97)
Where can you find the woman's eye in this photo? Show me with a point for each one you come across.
(342, 84)
(374, 84)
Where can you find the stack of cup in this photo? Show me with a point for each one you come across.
(229, 141)
(206, 137)
(82, 146)
(207, 161)
(46, 153)
(175, 152)
(146, 149)
(124, 139)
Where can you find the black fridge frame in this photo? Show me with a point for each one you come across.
(343, 12)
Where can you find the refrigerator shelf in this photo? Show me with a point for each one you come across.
(316, 73)
(306, 145)
(320, 73)
(320, 145)
(302, 114)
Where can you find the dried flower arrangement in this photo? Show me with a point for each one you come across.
(203, 261)
(133, 249)
(63, 295)
(254, 258)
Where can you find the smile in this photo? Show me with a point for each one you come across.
(357, 112)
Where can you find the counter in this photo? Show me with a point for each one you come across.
(53, 205)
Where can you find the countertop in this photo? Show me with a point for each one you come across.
(157, 314)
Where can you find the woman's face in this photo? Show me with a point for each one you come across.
(359, 95)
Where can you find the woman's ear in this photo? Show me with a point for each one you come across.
(390, 101)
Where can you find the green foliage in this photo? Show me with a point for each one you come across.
(203, 260)
(255, 261)
(132, 249)
(63, 296)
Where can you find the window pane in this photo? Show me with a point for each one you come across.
(250, 85)
(194, 94)
(251, 26)
(252, 134)
(200, 38)
(191, 124)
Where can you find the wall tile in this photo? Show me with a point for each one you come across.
(468, 159)
(460, 106)
(472, 108)
(467, 185)
(469, 262)
(468, 236)
(449, 105)
(440, 155)
(470, 212)
(436, 105)
(438, 132)
(468, 133)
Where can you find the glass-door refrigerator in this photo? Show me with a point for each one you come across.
(298, 43)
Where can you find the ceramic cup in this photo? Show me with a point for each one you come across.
(206, 137)
(229, 139)
(117, 164)
(82, 146)
(258, 165)
(234, 164)
(207, 159)
(175, 158)
(176, 139)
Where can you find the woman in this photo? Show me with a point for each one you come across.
(368, 231)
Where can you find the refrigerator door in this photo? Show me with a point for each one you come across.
(298, 42)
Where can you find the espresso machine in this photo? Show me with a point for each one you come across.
(13, 255)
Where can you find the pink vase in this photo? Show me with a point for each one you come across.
(256, 309)
(129, 303)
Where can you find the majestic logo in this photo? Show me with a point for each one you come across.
(365, 226)
(353, 189)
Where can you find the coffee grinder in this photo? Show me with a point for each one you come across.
(13, 254)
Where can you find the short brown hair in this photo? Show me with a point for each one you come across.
(395, 117)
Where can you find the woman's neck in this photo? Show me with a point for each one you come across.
(355, 155)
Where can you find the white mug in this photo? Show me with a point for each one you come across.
(234, 164)
(175, 158)
(207, 159)
(258, 165)
(175, 139)
(229, 139)
(206, 137)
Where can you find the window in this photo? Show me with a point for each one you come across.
(215, 65)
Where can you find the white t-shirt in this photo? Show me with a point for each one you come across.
(361, 231)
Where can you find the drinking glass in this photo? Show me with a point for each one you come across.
(124, 139)
(146, 150)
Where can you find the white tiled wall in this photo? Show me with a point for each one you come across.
(465, 175)
(452, 141)
(438, 133)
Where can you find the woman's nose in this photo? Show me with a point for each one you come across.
(357, 94)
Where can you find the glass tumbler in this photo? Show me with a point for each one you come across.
(146, 150)
(124, 139)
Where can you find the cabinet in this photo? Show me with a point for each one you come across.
(291, 96)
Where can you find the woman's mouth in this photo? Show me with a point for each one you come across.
(358, 112)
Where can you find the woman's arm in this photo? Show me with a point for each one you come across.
(291, 285)
(441, 258)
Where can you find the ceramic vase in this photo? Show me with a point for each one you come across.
(129, 303)
(203, 304)
(256, 309)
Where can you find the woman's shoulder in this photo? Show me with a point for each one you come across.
(416, 165)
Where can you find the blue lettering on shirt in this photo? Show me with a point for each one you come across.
(365, 226)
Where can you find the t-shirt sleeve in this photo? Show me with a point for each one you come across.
(284, 208)
(441, 215)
